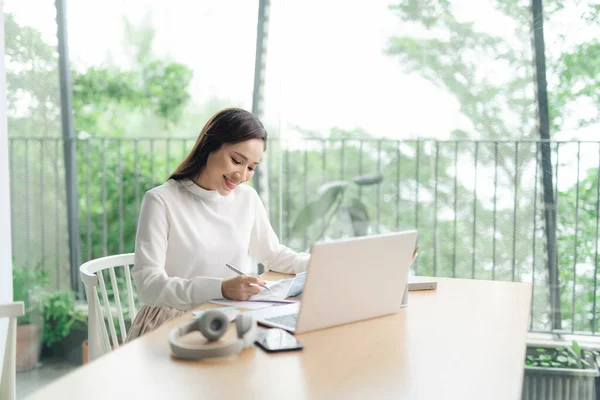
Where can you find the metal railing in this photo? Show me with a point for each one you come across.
(476, 204)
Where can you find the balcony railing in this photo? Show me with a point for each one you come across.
(476, 204)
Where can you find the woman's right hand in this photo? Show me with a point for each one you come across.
(241, 287)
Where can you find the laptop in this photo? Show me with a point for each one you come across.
(348, 280)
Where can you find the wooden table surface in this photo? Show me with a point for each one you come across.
(465, 340)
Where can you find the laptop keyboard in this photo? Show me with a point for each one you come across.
(288, 320)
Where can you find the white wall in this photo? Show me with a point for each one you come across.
(6, 294)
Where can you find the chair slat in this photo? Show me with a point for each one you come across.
(113, 280)
(132, 312)
(111, 323)
(100, 322)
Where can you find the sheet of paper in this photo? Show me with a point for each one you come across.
(278, 291)
(250, 305)
(268, 283)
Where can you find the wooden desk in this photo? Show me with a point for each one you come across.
(466, 340)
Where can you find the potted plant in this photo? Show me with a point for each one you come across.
(565, 371)
(65, 327)
(352, 215)
(28, 287)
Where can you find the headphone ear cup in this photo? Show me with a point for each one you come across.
(213, 324)
(243, 323)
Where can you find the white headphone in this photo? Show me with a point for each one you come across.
(213, 324)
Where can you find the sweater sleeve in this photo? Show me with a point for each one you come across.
(266, 249)
(154, 286)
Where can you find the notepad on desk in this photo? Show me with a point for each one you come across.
(248, 305)
(282, 291)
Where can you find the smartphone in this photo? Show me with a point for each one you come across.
(276, 340)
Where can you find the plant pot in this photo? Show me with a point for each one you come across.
(29, 346)
(68, 349)
(559, 383)
(84, 351)
(73, 348)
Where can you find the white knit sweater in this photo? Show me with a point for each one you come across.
(186, 234)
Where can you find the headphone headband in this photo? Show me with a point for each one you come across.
(213, 324)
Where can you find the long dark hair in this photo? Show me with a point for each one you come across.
(228, 126)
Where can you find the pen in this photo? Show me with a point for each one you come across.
(240, 272)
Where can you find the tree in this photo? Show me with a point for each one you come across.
(577, 251)
(453, 55)
(39, 235)
(108, 102)
(492, 78)
(108, 99)
(33, 97)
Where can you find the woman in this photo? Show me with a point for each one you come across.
(202, 218)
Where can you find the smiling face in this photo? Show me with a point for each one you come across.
(231, 165)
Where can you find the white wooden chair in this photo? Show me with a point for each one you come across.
(9, 366)
(100, 317)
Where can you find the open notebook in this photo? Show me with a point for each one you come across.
(282, 290)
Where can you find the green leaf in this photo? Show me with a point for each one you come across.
(345, 220)
(571, 352)
(561, 359)
(29, 285)
(332, 189)
(359, 216)
(368, 179)
(306, 217)
(358, 210)
(540, 350)
(576, 348)
(314, 211)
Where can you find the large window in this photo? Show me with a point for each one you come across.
(382, 116)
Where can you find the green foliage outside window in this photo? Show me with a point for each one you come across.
(152, 99)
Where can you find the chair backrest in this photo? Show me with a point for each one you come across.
(102, 334)
(9, 365)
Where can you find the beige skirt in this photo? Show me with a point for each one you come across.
(150, 318)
